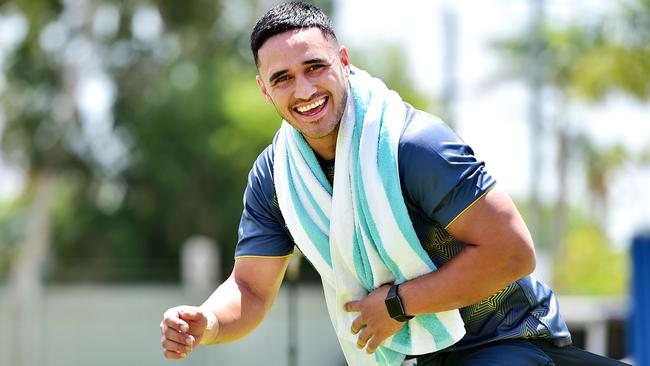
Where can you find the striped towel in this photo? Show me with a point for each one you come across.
(358, 234)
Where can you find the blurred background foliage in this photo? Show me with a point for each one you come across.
(136, 124)
(584, 63)
(144, 117)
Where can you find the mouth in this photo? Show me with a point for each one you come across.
(312, 109)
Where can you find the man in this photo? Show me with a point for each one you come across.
(473, 250)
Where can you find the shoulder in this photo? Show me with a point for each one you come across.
(262, 231)
(261, 174)
(439, 173)
(260, 189)
(426, 134)
(428, 144)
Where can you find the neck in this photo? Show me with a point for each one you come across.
(324, 147)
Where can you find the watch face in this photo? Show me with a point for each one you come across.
(394, 305)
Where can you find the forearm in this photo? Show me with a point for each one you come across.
(500, 250)
(238, 312)
(471, 276)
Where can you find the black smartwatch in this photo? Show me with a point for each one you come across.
(394, 305)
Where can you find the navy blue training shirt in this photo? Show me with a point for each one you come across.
(440, 178)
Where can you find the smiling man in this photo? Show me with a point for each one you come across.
(420, 254)
(304, 75)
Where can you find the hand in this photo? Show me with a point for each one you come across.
(374, 322)
(183, 328)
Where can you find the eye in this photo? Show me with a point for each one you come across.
(282, 79)
(314, 68)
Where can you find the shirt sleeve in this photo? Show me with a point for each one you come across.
(262, 231)
(439, 173)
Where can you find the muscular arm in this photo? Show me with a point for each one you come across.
(499, 251)
(242, 301)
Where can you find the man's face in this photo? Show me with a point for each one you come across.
(305, 76)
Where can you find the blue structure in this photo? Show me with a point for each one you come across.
(640, 319)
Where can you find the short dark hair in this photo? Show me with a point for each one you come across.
(285, 17)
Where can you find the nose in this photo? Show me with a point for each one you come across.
(304, 88)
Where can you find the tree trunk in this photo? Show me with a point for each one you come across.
(561, 204)
(25, 277)
(25, 274)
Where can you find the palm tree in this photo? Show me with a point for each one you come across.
(621, 62)
(602, 165)
(561, 48)
(586, 62)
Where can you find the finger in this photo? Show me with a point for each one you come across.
(353, 306)
(174, 355)
(374, 343)
(178, 337)
(197, 325)
(170, 345)
(191, 313)
(357, 325)
(363, 338)
(174, 322)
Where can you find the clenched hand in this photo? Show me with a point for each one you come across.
(183, 328)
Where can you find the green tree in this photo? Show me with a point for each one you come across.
(139, 121)
(622, 61)
(136, 124)
(591, 267)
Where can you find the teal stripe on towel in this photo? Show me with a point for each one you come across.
(320, 239)
(362, 266)
(388, 357)
(371, 228)
(361, 203)
(309, 156)
(361, 262)
(312, 201)
(390, 179)
(436, 328)
(402, 340)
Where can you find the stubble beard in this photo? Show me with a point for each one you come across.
(339, 116)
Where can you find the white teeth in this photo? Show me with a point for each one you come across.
(309, 107)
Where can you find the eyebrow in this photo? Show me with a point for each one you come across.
(312, 61)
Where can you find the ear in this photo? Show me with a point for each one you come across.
(345, 59)
(262, 87)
